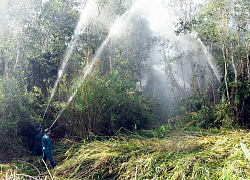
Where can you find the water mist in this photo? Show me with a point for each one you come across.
(116, 29)
(89, 12)
(162, 19)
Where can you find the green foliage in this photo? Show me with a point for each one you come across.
(19, 108)
(32, 55)
(45, 41)
(222, 25)
(103, 105)
(222, 113)
(193, 111)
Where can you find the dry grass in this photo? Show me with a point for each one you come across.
(179, 155)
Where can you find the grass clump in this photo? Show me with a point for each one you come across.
(181, 155)
(199, 155)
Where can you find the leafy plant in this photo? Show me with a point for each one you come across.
(105, 104)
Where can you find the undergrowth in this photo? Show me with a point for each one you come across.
(199, 155)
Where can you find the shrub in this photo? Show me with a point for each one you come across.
(104, 104)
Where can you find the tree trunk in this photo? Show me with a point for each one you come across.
(226, 66)
(110, 56)
(192, 75)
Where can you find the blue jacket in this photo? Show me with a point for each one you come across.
(46, 143)
(38, 140)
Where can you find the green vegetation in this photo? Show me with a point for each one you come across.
(223, 27)
(210, 154)
(118, 120)
(104, 104)
(114, 96)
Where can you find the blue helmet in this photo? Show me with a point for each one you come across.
(47, 130)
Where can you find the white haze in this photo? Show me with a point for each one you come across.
(162, 17)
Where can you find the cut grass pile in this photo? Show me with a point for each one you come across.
(179, 155)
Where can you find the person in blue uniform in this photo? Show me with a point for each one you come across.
(37, 149)
(47, 147)
(32, 137)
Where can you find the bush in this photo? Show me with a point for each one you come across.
(192, 111)
(19, 108)
(104, 104)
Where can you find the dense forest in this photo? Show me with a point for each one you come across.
(95, 68)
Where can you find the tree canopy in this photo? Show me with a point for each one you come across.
(123, 89)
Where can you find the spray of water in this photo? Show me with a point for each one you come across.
(210, 59)
(163, 19)
(116, 29)
(153, 12)
(89, 11)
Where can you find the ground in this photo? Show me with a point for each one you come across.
(199, 154)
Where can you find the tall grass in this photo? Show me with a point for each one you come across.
(197, 155)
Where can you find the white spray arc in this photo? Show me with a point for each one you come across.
(88, 13)
(181, 45)
(116, 29)
(162, 21)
